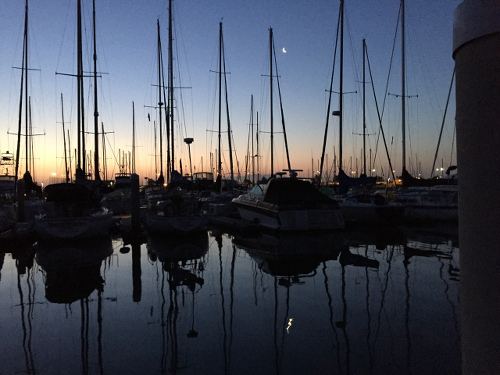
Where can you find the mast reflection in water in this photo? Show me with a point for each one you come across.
(353, 302)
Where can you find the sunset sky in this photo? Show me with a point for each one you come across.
(306, 30)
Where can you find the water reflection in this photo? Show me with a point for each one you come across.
(181, 278)
(366, 302)
(72, 273)
(290, 255)
(24, 265)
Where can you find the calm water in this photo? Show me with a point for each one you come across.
(349, 303)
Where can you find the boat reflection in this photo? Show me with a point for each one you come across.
(73, 270)
(26, 287)
(366, 302)
(373, 293)
(72, 273)
(175, 248)
(182, 266)
(290, 254)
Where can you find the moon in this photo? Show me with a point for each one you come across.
(284, 50)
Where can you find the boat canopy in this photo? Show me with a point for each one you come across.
(67, 193)
(292, 191)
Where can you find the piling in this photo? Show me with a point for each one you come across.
(135, 202)
(21, 215)
(476, 50)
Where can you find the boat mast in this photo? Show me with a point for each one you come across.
(161, 179)
(231, 167)
(257, 142)
(325, 136)
(219, 162)
(171, 83)
(133, 138)
(364, 110)
(81, 164)
(341, 80)
(24, 80)
(64, 139)
(104, 163)
(25, 67)
(251, 132)
(96, 111)
(271, 95)
(403, 88)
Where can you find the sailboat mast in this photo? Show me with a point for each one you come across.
(403, 79)
(364, 109)
(25, 67)
(24, 71)
(104, 163)
(231, 167)
(341, 81)
(257, 141)
(64, 139)
(219, 163)
(96, 111)
(133, 138)
(271, 95)
(171, 82)
(29, 141)
(160, 102)
(251, 132)
(80, 96)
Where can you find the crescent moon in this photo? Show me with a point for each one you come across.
(284, 50)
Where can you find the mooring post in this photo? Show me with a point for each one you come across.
(21, 215)
(135, 202)
(476, 50)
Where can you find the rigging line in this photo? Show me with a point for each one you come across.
(281, 107)
(452, 145)
(391, 62)
(379, 118)
(353, 57)
(442, 124)
(182, 124)
(329, 99)
(227, 111)
(388, 77)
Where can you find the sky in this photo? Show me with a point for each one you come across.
(304, 38)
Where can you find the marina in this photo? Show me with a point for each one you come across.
(315, 245)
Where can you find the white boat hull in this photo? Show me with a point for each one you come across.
(291, 220)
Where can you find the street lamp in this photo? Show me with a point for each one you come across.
(188, 141)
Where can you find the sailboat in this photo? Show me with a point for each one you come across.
(171, 209)
(20, 203)
(219, 201)
(74, 211)
(287, 203)
(425, 199)
(357, 203)
(345, 181)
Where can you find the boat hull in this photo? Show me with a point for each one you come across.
(372, 214)
(270, 217)
(74, 228)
